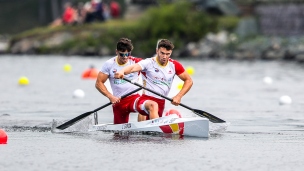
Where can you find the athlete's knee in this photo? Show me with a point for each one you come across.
(151, 105)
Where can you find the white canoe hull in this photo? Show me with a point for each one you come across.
(172, 124)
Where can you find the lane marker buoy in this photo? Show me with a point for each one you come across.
(3, 137)
(23, 81)
(190, 70)
(78, 93)
(67, 67)
(267, 80)
(285, 100)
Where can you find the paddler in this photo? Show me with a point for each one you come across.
(158, 74)
(121, 107)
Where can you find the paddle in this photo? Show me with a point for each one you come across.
(200, 113)
(78, 118)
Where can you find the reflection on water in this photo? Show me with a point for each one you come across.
(141, 137)
(132, 137)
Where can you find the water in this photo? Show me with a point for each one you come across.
(262, 135)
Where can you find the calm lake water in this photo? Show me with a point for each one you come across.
(262, 134)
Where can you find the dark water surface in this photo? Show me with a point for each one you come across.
(262, 134)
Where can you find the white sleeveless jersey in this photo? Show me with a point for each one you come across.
(157, 77)
(119, 86)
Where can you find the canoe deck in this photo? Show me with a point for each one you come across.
(172, 124)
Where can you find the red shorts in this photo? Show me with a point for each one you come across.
(143, 98)
(123, 109)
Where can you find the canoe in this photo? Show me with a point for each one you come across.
(171, 124)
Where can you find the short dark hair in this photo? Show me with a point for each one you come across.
(124, 44)
(165, 43)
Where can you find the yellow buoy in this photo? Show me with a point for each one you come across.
(67, 67)
(190, 70)
(23, 81)
(180, 85)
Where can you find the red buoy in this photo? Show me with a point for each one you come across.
(3, 137)
(90, 74)
(173, 111)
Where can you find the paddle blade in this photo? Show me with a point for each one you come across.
(78, 118)
(74, 120)
(207, 115)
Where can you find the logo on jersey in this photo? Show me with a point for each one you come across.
(162, 81)
(114, 70)
(156, 70)
(170, 72)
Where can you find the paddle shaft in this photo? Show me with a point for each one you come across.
(201, 113)
(80, 117)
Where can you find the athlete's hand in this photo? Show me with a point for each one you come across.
(176, 100)
(119, 74)
(114, 100)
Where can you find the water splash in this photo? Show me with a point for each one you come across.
(216, 128)
(82, 126)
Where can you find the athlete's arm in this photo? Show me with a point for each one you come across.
(186, 87)
(127, 70)
(100, 86)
